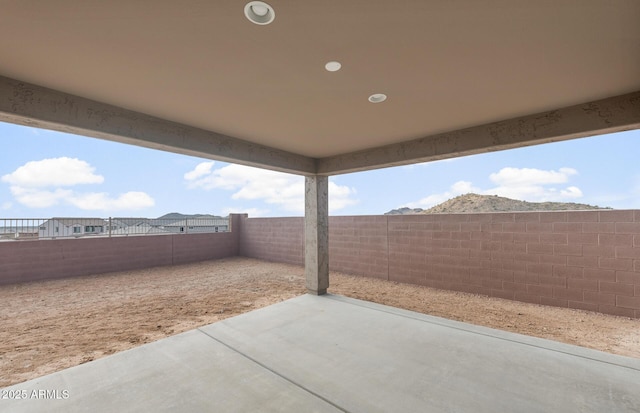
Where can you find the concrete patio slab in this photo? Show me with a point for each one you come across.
(331, 354)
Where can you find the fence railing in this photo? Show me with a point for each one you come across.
(21, 229)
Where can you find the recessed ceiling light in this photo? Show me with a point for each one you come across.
(333, 66)
(259, 12)
(377, 98)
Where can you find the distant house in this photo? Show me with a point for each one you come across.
(72, 227)
(80, 227)
(117, 223)
(127, 227)
(197, 225)
(124, 226)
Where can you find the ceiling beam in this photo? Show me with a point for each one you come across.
(36, 106)
(31, 105)
(609, 115)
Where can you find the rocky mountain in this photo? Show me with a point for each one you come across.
(492, 203)
(404, 211)
(178, 216)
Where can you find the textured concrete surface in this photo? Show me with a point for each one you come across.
(332, 353)
(316, 234)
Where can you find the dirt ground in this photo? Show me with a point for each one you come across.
(48, 326)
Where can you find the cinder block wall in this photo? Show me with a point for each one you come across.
(272, 239)
(359, 245)
(584, 259)
(578, 259)
(24, 261)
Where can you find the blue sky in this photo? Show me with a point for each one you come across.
(45, 174)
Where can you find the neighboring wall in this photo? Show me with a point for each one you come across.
(23, 261)
(579, 259)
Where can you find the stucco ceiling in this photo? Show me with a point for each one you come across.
(445, 65)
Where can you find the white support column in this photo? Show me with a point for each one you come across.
(316, 234)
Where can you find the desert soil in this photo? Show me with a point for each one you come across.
(51, 325)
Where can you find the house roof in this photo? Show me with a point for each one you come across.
(130, 221)
(141, 229)
(198, 222)
(81, 221)
(199, 78)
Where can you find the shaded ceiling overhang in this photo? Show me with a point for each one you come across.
(32, 105)
(306, 93)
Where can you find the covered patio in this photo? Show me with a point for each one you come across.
(322, 88)
(337, 354)
(419, 81)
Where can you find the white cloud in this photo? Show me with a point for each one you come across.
(43, 184)
(91, 201)
(340, 196)
(463, 187)
(200, 170)
(53, 172)
(571, 192)
(39, 198)
(527, 184)
(458, 188)
(534, 185)
(6, 205)
(510, 177)
(100, 201)
(254, 184)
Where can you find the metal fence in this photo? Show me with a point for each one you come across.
(20, 229)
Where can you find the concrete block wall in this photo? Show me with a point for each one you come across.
(24, 261)
(202, 247)
(578, 259)
(272, 239)
(359, 245)
(584, 259)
